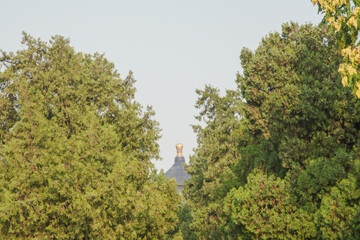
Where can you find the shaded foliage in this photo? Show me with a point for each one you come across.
(210, 166)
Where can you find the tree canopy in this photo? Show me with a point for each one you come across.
(75, 149)
(344, 17)
(277, 158)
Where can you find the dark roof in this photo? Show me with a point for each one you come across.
(177, 171)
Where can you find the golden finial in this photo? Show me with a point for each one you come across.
(179, 148)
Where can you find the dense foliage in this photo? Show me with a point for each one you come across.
(344, 17)
(212, 163)
(75, 150)
(277, 158)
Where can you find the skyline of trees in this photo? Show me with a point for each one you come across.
(76, 149)
(277, 157)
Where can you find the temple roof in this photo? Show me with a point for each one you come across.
(177, 170)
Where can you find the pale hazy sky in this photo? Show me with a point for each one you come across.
(172, 46)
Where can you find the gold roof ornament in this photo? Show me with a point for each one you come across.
(179, 148)
(177, 170)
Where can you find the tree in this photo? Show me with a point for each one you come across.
(185, 225)
(304, 125)
(210, 166)
(75, 149)
(281, 149)
(344, 17)
(263, 209)
(293, 100)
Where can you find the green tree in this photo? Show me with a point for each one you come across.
(185, 225)
(282, 148)
(344, 17)
(75, 150)
(263, 209)
(294, 102)
(210, 166)
(304, 125)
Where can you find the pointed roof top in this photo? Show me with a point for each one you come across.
(177, 170)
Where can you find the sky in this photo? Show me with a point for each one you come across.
(173, 47)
